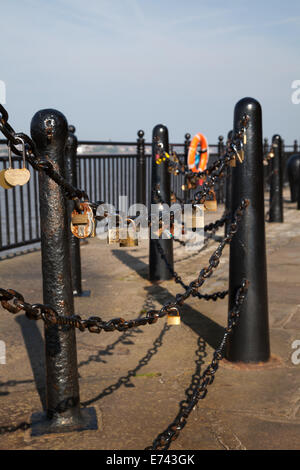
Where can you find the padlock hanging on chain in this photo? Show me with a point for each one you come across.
(173, 319)
(113, 235)
(12, 177)
(210, 203)
(83, 223)
(126, 238)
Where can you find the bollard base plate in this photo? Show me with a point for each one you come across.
(84, 293)
(41, 425)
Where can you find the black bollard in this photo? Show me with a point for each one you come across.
(49, 130)
(293, 171)
(228, 191)
(141, 169)
(250, 339)
(276, 201)
(161, 192)
(187, 142)
(71, 177)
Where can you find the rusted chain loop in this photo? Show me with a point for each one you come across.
(12, 308)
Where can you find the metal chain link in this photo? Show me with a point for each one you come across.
(96, 324)
(178, 279)
(163, 441)
(39, 163)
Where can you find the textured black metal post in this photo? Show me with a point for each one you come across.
(276, 201)
(158, 269)
(187, 142)
(49, 130)
(250, 339)
(228, 190)
(293, 171)
(141, 169)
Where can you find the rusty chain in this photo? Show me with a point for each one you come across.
(178, 279)
(163, 441)
(96, 324)
(39, 163)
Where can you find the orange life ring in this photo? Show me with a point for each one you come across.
(198, 161)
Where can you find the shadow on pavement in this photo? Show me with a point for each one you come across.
(207, 330)
(36, 352)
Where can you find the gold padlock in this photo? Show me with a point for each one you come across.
(128, 239)
(113, 236)
(210, 204)
(232, 162)
(194, 219)
(83, 224)
(16, 176)
(113, 233)
(174, 319)
(241, 155)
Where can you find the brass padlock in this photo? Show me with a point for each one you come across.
(174, 319)
(128, 238)
(210, 204)
(16, 176)
(113, 236)
(241, 155)
(173, 197)
(83, 224)
(113, 233)
(232, 162)
(194, 220)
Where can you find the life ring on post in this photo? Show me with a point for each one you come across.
(198, 161)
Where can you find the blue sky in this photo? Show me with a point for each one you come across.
(113, 67)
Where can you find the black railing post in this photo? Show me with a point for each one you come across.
(295, 146)
(228, 190)
(141, 169)
(250, 339)
(293, 171)
(187, 142)
(276, 201)
(71, 177)
(161, 193)
(49, 130)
